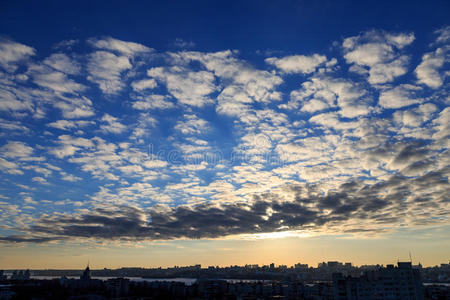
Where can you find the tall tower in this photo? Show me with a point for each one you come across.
(86, 274)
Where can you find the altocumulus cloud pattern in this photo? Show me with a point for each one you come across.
(112, 140)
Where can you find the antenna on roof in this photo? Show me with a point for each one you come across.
(410, 259)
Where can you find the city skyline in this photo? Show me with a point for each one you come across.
(272, 265)
(225, 133)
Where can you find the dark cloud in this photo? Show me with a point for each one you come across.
(26, 239)
(380, 203)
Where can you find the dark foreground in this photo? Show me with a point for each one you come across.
(121, 288)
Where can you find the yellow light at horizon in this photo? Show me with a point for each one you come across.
(275, 235)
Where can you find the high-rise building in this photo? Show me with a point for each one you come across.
(86, 274)
(399, 283)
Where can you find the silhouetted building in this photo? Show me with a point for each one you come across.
(21, 275)
(118, 287)
(86, 274)
(399, 283)
(2, 275)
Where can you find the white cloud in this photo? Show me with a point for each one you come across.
(153, 102)
(380, 52)
(69, 177)
(180, 43)
(61, 62)
(39, 180)
(63, 125)
(400, 40)
(54, 80)
(331, 120)
(427, 71)
(68, 125)
(254, 144)
(416, 116)
(400, 96)
(66, 44)
(154, 163)
(16, 150)
(74, 107)
(144, 125)
(298, 63)
(10, 102)
(381, 73)
(191, 88)
(315, 105)
(111, 125)
(192, 125)
(369, 54)
(69, 145)
(12, 127)
(321, 93)
(29, 200)
(12, 52)
(243, 83)
(105, 69)
(10, 167)
(144, 84)
(442, 126)
(125, 48)
(443, 35)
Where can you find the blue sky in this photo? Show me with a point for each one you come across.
(186, 120)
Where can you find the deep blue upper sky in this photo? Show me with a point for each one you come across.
(215, 25)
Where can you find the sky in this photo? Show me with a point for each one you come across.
(223, 132)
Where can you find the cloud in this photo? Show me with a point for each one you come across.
(307, 210)
(10, 127)
(381, 73)
(68, 125)
(54, 80)
(180, 43)
(332, 120)
(16, 150)
(144, 84)
(105, 69)
(12, 53)
(144, 126)
(66, 44)
(75, 107)
(191, 88)
(415, 117)
(61, 62)
(427, 71)
(400, 96)
(192, 125)
(443, 35)
(321, 93)
(10, 102)
(68, 145)
(442, 125)
(380, 52)
(153, 102)
(70, 177)
(10, 167)
(124, 48)
(111, 125)
(237, 148)
(298, 63)
(243, 84)
(39, 180)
